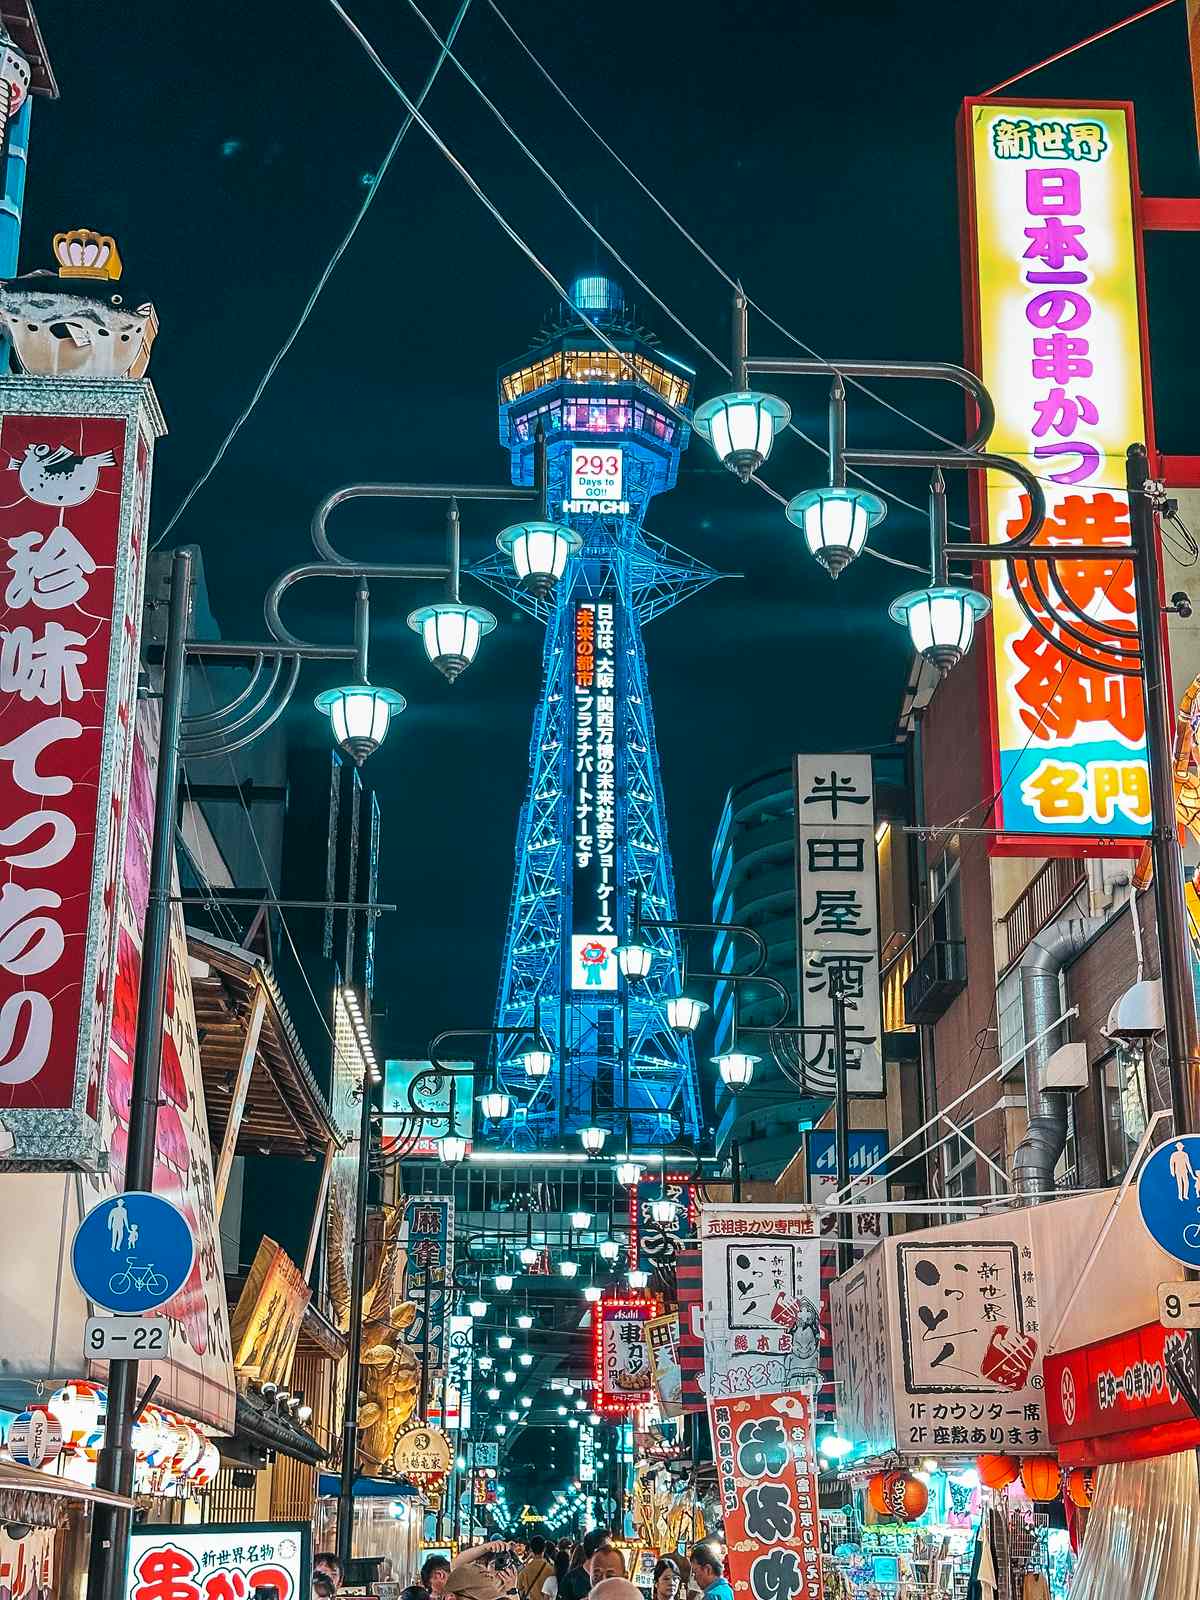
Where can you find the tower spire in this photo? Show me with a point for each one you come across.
(592, 831)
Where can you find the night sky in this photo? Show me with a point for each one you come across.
(810, 147)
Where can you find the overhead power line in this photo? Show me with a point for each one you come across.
(310, 304)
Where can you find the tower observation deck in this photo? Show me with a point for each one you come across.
(592, 829)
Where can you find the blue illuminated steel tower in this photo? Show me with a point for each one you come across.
(592, 829)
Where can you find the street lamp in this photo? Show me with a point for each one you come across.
(452, 1148)
(525, 1358)
(568, 1268)
(741, 428)
(662, 1210)
(581, 1220)
(359, 715)
(503, 1282)
(451, 633)
(536, 1063)
(684, 1013)
(940, 620)
(736, 1068)
(628, 1173)
(495, 1105)
(637, 1278)
(835, 522)
(538, 551)
(529, 1257)
(477, 1308)
(525, 1320)
(504, 1341)
(592, 1138)
(610, 1249)
(634, 959)
(592, 1293)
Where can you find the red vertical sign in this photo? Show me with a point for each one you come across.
(71, 554)
(767, 1474)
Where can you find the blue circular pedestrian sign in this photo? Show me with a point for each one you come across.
(133, 1252)
(1169, 1197)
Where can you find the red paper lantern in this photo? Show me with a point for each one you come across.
(1041, 1477)
(997, 1472)
(1079, 1487)
(908, 1498)
(878, 1492)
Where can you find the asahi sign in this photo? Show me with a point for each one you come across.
(72, 550)
(594, 878)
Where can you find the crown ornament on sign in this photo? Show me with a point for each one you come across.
(84, 253)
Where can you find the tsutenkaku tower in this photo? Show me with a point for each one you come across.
(592, 829)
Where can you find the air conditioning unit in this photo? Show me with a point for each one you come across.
(1067, 1068)
(1138, 1014)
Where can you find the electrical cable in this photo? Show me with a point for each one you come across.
(269, 882)
(733, 283)
(327, 273)
(1159, 5)
(988, 805)
(640, 282)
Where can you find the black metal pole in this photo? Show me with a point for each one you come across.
(358, 1272)
(424, 1395)
(841, 1122)
(115, 1462)
(1170, 916)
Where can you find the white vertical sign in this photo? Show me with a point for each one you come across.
(838, 916)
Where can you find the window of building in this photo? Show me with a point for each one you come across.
(1066, 1173)
(1123, 1107)
(1010, 1019)
(960, 1172)
(945, 896)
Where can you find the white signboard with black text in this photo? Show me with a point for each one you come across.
(761, 1272)
(838, 917)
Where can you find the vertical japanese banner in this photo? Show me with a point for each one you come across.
(348, 1074)
(838, 915)
(761, 1270)
(767, 1478)
(662, 1347)
(594, 932)
(1055, 332)
(429, 1234)
(197, 1375)
(621, 1377)
(72, 553)
(861, 1338)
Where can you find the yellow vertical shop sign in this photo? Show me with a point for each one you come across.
(1054, 322)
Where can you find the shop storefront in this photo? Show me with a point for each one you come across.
(957, 1352)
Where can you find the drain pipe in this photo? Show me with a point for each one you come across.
(1047, 953)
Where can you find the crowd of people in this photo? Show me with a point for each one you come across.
(546, 1569)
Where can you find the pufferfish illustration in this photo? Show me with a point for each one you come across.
(56, 476)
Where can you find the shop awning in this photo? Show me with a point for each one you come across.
(285, 1112)
(329, 1485)
(27, 1480)
(259, 1422)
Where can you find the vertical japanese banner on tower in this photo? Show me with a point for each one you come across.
(429, 1232)
(594, 931)
(838, 911)
(620, 1364)
(761, 1268)
(72, 554)
(1054, 327)
(767, 1478)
